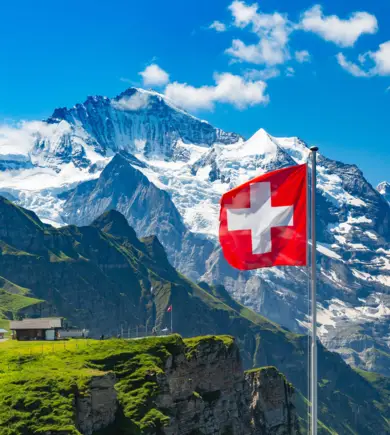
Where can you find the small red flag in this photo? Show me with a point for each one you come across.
(169, 309)
(263, 222)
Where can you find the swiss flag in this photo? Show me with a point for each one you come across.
(169, 309)
(263, 222)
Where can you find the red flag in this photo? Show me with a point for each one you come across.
(169, 309)
(263, 222)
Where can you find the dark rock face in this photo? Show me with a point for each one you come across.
(209, 393)
(272, 409)
(97, 410)
(148, 209)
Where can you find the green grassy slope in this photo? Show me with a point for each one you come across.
(38, 386)
(14, 299)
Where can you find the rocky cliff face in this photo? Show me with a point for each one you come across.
(97, 409)
(272, 399)
(203, 390)
(209, 393)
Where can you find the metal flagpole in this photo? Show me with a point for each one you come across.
(171, 319)
(313, 384)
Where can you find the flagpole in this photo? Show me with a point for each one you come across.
(314, 368)
(171, 319)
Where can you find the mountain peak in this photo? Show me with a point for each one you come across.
(148, 99)
(113, 222)
(138, 121)
(129, 92)
(156, 251)
(261, 141)
(383, 186)
(384, 189)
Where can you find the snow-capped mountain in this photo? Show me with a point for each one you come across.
(165, 170)
(384, 189)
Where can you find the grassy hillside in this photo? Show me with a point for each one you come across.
(14, 299)
(39, 382)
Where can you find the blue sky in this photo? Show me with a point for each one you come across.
(282, 75)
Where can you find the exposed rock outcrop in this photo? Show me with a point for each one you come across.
(271, 398)
(97, 409)
(204, 390)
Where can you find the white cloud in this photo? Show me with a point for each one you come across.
(218, 26)
(332, 28)
(19, 139)
(153, 75)
(290, 72)
(235, 90)
(263, 74)
(273, 31)
(380, 61)
(136, 101)
(351, 67)
(229, 88)
(266, 52)
(242, 13)
(302, 56)
(189, 97)
(381, 58)
(15, 140)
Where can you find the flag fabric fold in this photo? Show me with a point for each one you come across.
(263, 222)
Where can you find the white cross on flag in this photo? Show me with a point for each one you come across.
(263, 221)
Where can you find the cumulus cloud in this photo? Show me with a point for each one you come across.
(190, 97)
(302, 56)
(266, 52)
(229, 88)
(273, 31)
(381, 58)
(218, 26)
(137, 101)
(371, 63)
(242, 13)
(153, 75)
(343, 32)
